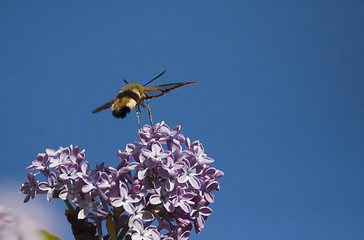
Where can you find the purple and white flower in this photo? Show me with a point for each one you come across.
(157, 185)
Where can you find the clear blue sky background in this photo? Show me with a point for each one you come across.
(279, 102)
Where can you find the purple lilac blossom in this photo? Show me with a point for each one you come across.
(141, 233)
(30, 187)
(162, 182)
(125, 200)
(50, 186)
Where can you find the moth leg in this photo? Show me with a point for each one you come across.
(137, 114)
(150, 113)
(142, 103)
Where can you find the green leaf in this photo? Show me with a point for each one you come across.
(48, 236)
(111, 228)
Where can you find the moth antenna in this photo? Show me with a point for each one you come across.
(155, 78)
(126, 81)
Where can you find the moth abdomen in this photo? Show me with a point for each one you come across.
(121, 112)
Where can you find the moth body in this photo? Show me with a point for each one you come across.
(133, 95)
(128, 98)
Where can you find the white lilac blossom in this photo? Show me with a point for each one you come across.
(17, 224)
(161, 188)
(9, 224)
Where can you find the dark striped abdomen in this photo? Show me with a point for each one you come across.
(120, 113)
(124, 102)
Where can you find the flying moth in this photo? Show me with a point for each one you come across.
(132, 95)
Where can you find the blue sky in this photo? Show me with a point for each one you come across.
(279, 102)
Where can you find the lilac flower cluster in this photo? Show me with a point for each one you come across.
(160, 195)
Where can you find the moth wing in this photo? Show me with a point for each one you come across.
(160, 90)
(105, 106)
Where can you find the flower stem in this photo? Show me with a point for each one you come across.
(70, 207)
(123, 232)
